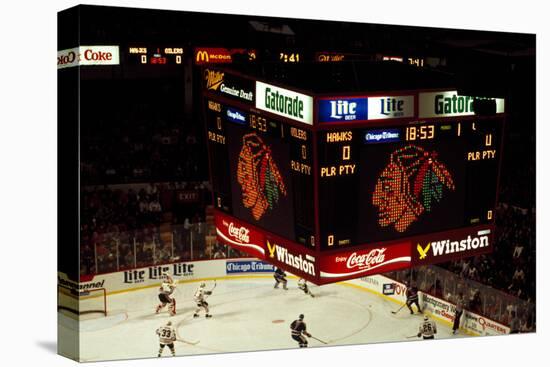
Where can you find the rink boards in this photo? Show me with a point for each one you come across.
(210, 270)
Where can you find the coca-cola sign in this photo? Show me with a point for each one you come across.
(239, 235)
(88, 55)
(366, 261)
(369, 261)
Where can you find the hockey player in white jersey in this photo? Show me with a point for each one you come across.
(166, 289)
(427, 329)
(200, 298)
(302, 284)
(167, 337)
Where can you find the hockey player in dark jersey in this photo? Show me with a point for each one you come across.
(298, 330)
(302, 284)
(458, 313)
(412, 298)
(280, 277)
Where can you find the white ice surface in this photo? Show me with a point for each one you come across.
(248, 315)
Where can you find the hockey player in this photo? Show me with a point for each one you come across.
(166, 289)
(427, 329)
(167, 336)
(412, 298)
(458, 312)
(298, 330)
(302, 284)
(200, 295)
(280, 277)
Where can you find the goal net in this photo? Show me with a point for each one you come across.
(82, 302)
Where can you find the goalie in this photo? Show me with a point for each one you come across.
(166, 289)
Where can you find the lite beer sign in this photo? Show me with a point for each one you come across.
(88, 55)
(284, 102)
(341, 110)
(449, 103)
(390, 107)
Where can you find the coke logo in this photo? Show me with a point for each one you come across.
(374, 257)
(97, 55)
(240, 233)
(66, 59)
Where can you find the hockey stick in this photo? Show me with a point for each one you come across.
(394, 312)
(214, 287)
(412, 336)
(188, 342)
(318, 339)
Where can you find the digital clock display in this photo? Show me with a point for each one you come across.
(422, 132)
(289, 57)
(155, 55)
(385, 183)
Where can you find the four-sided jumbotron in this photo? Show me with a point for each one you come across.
(338, 173)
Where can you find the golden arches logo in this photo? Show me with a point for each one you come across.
(202, 57)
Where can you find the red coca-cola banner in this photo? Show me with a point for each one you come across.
(239, 235)
(363, 262)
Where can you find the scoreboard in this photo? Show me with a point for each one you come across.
(262, 171)
(386, 183)
(333, 188)
(144, 55)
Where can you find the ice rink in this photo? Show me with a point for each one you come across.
(248, 314)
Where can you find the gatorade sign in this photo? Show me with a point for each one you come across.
(284, 102)
(449, 103)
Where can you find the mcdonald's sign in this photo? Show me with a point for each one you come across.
(208, 55)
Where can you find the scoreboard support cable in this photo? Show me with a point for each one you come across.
(335, 187)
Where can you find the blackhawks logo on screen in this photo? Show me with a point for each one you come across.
(409, 186)
(259, 177)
